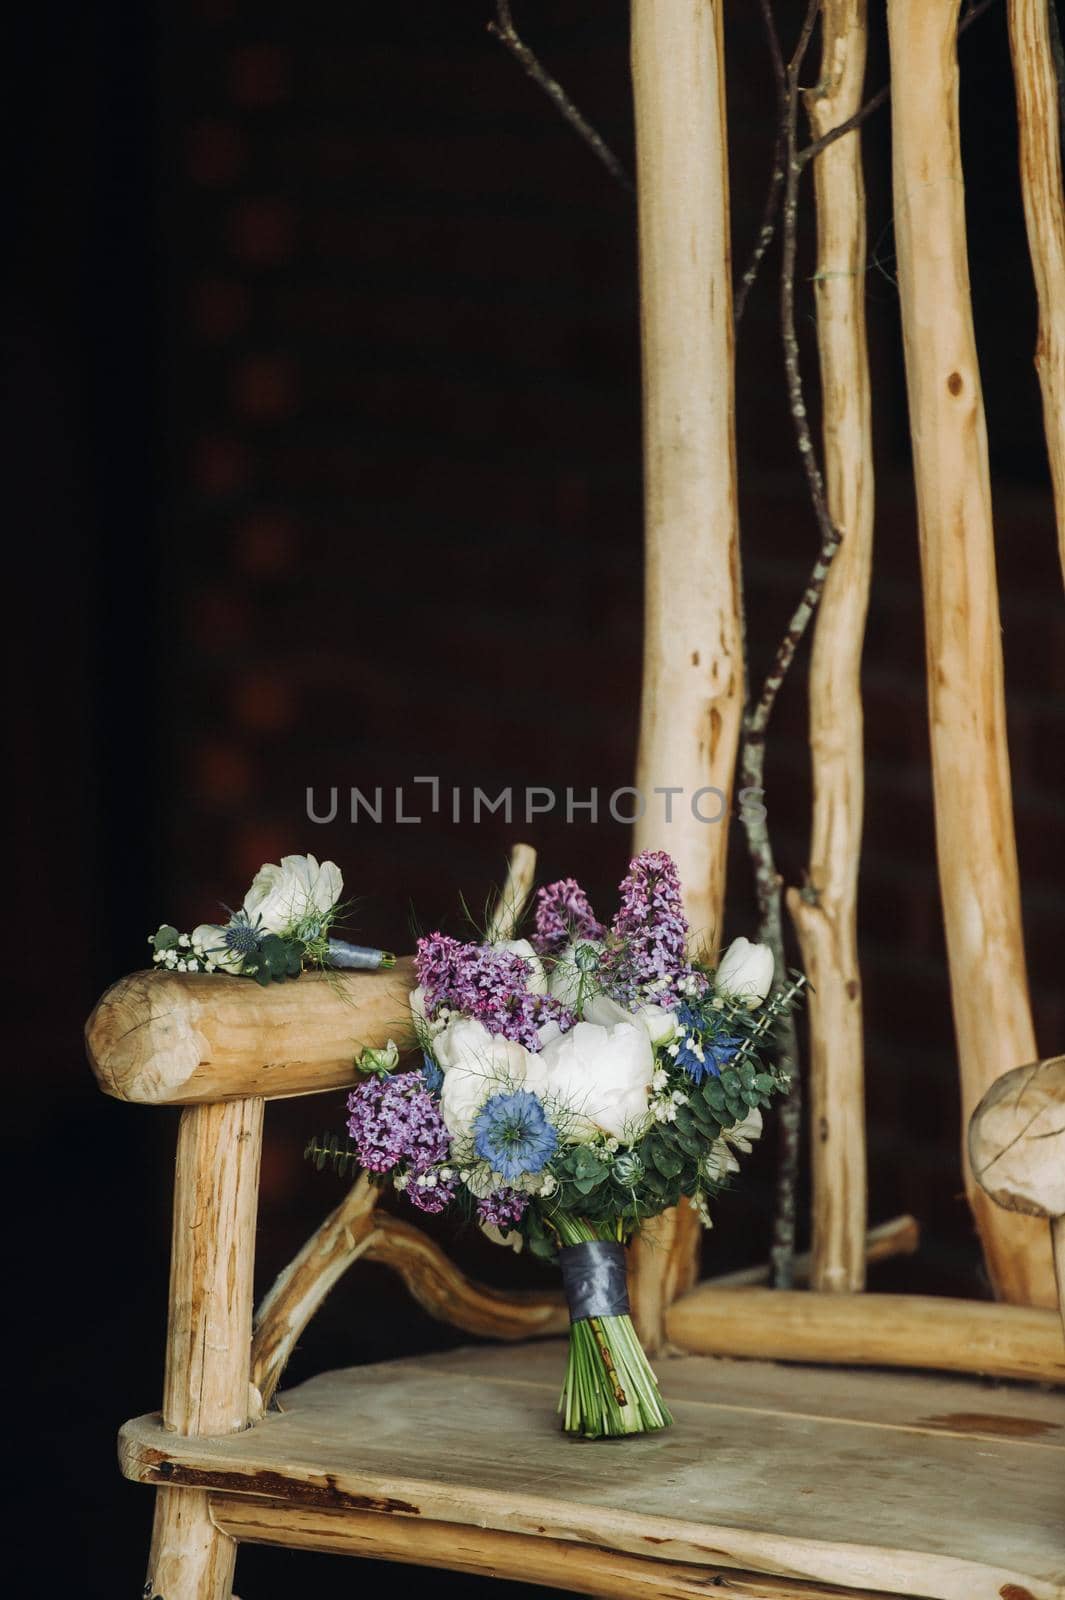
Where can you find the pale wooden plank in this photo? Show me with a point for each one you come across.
(555, 1563)
(826, 1499)
(912, 1401)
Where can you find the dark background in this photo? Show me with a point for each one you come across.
(323, 434)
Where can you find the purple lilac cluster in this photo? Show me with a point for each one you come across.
(487, 984)
(395, 1120)
(651, 931)
(563, 915)
(502, 1208)
(435, 1196)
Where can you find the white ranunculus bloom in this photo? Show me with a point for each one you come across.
(595, 1079)
(283, 896)
(745, 972)
(740, 1136)
(476, 1064)
(719, 1162)
(661, 1024)
(536, 983)
(569, 981)
(209, 941)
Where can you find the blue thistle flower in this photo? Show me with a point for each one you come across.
(511, 1132)
(434, 1078)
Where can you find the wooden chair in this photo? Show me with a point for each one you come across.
(846, 1476)
(778, 1480)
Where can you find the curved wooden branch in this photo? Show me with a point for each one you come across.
(693, 660)
(298, 1291)
(1038, 127)
(514, 895)
(355, 1231)
(975, 840)
(824, 912)
(446, 1293)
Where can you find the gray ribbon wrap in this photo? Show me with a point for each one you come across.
(355, 957)
(593, 1278)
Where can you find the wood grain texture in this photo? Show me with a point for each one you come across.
(691, 701)
(192, 1558)
(216, 1194)
(1039, 140)
(893, 1330)
(917, 1486)
(164, 1038)
(970, 760)
(824, 912)
(486, 1552)
(899, 1237)
(206, 1384)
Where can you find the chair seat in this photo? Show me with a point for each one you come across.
(871, 1481)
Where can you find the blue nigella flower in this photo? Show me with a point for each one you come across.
(701, 1056)
(511, 1132)
(432, 1074)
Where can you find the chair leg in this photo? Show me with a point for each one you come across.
(190, 1559)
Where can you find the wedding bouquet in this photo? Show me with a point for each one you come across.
(282, 927)
(571, 1086)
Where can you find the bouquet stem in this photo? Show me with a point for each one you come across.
(610, 1389)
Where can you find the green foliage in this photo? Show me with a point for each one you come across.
(334, 1150)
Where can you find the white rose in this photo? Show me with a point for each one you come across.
(568, 982)
(661, 1024)
(595, 1079)
(536, 982)
(476, 1065)
(209, 941)
(282, 897)
(746, 972)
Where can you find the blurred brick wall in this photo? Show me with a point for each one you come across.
(405, 529)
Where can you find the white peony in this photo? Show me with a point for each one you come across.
(661, 1024)
(280, 898)
(745, 972)
(536, 982)
(476, 1064)
(595, 1079)
(570, 980)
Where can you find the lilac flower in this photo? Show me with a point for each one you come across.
(394, 1120)
(502, 1208)
(435, 1192)
(563, 915)
(488, 984)
(511, 1132)
(651, 931)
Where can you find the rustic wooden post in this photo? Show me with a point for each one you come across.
(206, 1388)
(824, 912)
(692, 668)
(1038, 127)
(970, 761)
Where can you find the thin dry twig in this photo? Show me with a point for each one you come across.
(768, 883)
(504, 30)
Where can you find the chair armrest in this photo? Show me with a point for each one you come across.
(171, 1038)
(1017, 1139)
